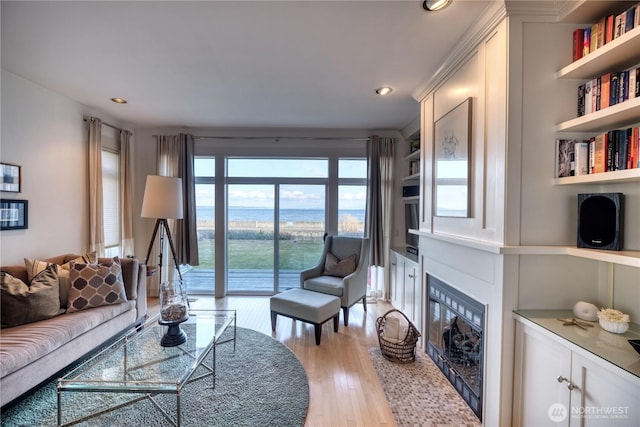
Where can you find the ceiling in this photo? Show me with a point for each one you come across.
(292, 64)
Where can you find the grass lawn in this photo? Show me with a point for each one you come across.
(258, 254)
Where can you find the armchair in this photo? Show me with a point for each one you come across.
(350, 285)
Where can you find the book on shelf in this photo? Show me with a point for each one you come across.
(606, 29)
(578, 43)
(599, 153)
(616, 149)
(605, 94)
(586, 42)
(414, 167)
(608, 90)
(581, 158)
(609, 29)
(593, 45)
(588, 104)
(613, 147)
(565, 157)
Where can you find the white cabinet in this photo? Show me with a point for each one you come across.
(559, 383)
(406, 286)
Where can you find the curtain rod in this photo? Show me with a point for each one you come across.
(277, 138)
(104, 123)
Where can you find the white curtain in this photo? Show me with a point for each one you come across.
(96, 218)
(379, 213)
(126, 192)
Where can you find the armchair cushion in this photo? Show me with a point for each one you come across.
(325, 284)
(339, 267)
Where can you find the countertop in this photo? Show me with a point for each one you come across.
(613, 348)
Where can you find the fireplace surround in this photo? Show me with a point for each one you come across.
(455, 339)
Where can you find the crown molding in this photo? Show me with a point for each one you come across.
(495, 13)
(488, 20)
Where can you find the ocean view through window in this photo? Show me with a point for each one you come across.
(275, 216)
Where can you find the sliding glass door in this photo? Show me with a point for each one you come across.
(270, 219)
(301, 226)
(250, 238)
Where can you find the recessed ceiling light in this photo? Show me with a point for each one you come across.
(119, 100)
(384, 90)
(431, 5)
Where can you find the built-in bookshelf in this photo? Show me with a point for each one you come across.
(621, 53)
(412, 161)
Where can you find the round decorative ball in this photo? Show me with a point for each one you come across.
(585, 311)
(614, 327)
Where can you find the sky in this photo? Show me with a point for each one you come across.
(292, 196)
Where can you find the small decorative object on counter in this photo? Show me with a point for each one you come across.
(174, 309)
(613, 321)
(585, 311)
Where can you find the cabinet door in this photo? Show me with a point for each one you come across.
(418, 298)
(409, 290)
(602, 398)
(396, 276)
(540, 400)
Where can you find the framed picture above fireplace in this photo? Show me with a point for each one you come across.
(452, 163)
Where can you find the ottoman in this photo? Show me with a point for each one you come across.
(308, 306)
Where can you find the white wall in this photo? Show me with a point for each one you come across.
(44, 133)
(459, 250)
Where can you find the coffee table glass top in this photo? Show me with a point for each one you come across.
(138, 363)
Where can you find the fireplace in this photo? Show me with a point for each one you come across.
(455, 339)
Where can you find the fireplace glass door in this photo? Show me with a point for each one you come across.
(455, 340)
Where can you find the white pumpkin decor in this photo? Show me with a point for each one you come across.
(613, 321)
(585, 311)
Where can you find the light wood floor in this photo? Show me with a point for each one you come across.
(343, 384)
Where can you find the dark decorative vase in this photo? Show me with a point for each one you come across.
(174, 309)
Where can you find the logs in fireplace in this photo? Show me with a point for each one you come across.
(455, 326)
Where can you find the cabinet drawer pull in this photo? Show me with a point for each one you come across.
(453, 372)
(570, 385)
(411, 276)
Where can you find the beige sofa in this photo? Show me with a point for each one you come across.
(34, 352)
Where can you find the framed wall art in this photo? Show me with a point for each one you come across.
(11, 178)
(452, 163)
(14, 214)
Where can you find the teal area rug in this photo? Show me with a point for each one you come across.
(262, 384)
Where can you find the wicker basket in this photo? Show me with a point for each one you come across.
(403, 351)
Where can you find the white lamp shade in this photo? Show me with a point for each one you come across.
(162, 198)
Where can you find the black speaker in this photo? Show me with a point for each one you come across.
(410, 190)
(600, 217)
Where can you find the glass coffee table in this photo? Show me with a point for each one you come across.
(137, 367)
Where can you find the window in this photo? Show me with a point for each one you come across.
(262, 217)
(111, 202)
(352, 196)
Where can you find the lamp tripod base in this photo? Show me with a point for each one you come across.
(174, 336)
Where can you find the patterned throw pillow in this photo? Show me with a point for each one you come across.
(35, 266)
(22, 303)
(95, 285)
(339, 268)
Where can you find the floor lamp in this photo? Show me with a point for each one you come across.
(162, 201)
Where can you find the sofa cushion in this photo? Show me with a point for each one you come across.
(339, 267)
(24, 303)
(95, 285)
(25, 344)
